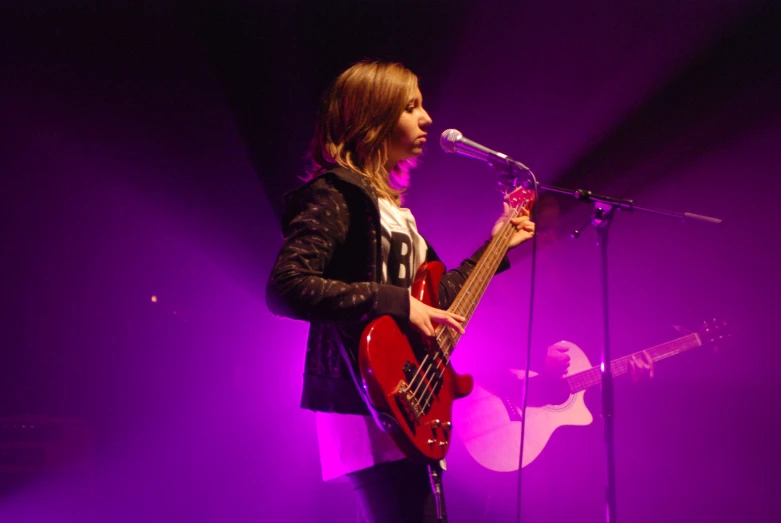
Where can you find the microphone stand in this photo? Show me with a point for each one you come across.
(605, 208)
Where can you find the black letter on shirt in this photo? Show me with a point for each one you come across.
(400, 260)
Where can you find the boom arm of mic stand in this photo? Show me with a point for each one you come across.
(626, 204)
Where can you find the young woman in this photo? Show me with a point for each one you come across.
(350, 255)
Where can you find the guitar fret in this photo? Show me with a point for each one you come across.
(467, 299)
(465, 303)
(593, 376)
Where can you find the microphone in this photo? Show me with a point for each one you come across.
(452, 141)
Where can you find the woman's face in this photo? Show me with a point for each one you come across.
(409, 135)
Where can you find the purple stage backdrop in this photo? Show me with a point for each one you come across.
(144, 155)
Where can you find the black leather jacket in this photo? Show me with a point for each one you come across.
(328, 272)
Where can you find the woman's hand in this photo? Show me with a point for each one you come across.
(423, 317)
(641, 367)
(524, 227)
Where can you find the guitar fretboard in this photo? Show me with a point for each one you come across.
(473, 289)
(593, 376)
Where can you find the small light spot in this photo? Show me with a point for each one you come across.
(154, 299)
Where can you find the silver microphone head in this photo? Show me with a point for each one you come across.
(449, 139)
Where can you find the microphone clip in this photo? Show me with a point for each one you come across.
(509, 181)
(600, 219)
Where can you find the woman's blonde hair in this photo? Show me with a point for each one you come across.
(357, 117)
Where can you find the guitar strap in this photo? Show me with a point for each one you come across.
(385, 421)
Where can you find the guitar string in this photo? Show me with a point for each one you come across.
(481, 280)
(591, 376)
(483, 277)
(451, 335)
(448, 333)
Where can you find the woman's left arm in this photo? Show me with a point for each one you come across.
(453, 280)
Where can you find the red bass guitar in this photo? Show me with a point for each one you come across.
(408, 378)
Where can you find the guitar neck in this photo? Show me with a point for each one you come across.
(593, 376)
(476, 284)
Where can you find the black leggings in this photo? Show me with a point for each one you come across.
(396, 492)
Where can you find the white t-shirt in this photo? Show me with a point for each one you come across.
(349, 442)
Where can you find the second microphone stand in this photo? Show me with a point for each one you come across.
(605, 208)
(602, 218)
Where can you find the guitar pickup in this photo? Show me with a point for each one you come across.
(428, 387)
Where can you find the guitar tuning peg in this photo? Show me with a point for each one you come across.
(682, 330)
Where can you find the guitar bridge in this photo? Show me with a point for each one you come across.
(409, 406)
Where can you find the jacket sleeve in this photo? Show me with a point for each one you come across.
(453, 280)
(298, 288)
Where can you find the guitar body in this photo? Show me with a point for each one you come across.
(395, 368)
(490, 426)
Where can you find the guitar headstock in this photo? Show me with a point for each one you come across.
(521, 198)
(714, 332)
